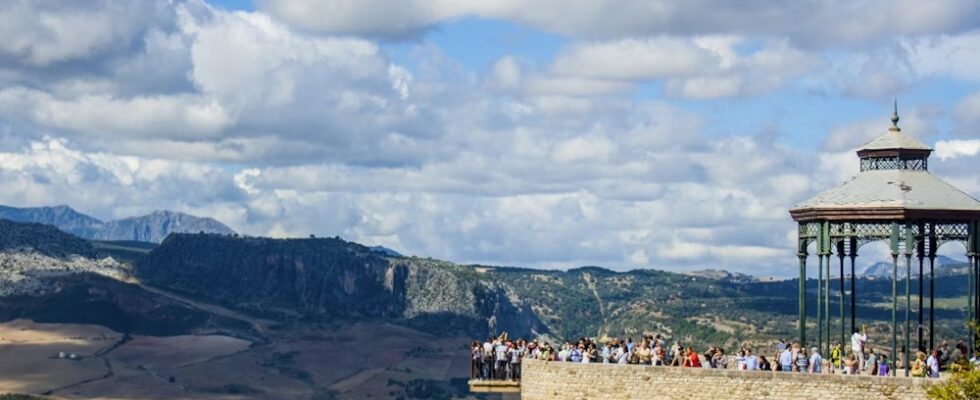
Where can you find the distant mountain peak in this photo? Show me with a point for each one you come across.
(152, 227)
(721, 275)
(157, 225)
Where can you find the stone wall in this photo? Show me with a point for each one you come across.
(556, 380)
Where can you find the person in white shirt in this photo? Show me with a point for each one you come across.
(751, 361)
(816, 361)
(933, 364)
(858, 339)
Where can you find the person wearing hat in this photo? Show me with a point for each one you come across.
(816, 361)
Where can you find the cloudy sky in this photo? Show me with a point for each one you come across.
(552, 134)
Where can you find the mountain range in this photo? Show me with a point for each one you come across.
(330, 279)
(153, 227)
(944, 266)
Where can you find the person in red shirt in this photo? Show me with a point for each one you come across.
(693, 359)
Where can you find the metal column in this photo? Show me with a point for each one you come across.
(854, 251)
(820, 258)
(840, 254)
(894, 250)
(932, 286)
(802, 298)
(920, 249)
(909, 244)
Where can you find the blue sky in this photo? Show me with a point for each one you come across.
(546, 134)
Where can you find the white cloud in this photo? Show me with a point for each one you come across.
(702, 67)
(292, 128)
(949, 149)
(41, 34)
(836, 22)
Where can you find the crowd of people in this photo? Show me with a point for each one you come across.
(500, 358)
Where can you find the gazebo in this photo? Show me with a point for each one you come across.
(893, 199)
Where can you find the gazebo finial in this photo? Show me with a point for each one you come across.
(895, 117)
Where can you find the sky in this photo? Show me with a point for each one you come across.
(545, 134)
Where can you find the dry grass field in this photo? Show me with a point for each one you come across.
(354, 362)
(28, 355)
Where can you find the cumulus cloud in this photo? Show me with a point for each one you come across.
(295, 120)
(701, 67)
(810, 23)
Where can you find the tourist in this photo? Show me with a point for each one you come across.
(751, 361)
(802, 361)
(816, 361)
(956, 354)
(872, 363)
(883, 367)
(677, 353)
(918, 369)
(500, 353)
(719, 360)
(852, 366)
(575, 355)
(645, 354)
(933, 364)
(944, 353)
(764, 364)
(624, 355)
(476, 363)
(740, 361)
(516, 354)
(692, 359)
(858, 340)
(836, 357)
(658, 354)
(786, 359)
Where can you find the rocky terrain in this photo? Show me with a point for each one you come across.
(153, 227)
(330, 279)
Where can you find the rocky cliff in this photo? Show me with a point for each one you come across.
(331, 279)
(47, 275)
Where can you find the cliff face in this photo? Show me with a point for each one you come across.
(47, 275)
(333, 279)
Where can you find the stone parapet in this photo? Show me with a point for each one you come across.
(543, 380)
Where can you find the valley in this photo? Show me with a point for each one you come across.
(216, 316)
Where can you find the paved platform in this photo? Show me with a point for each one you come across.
(481, 386)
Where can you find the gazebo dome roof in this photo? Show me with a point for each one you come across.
(894, 139)
(888, 194)
(894, 184)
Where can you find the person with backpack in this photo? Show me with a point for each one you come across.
(836, 358)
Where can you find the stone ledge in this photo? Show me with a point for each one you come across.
(492, 386)
(558, 380)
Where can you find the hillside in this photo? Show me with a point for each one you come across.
(44, 239)
(50, 276)
(332, 279)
